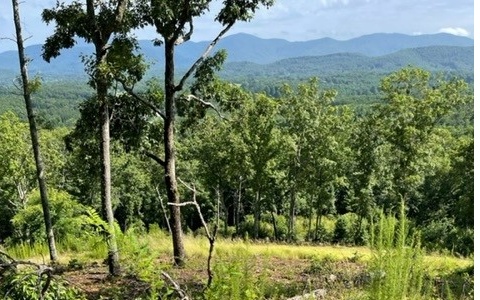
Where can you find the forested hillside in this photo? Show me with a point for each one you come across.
(355, 77)
(345, 175)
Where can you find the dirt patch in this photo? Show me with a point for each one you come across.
(288, 277)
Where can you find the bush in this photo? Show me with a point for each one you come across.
(341, 233)
(444, 234)
(247, 228)
(322, 235)
(66, 213)
(350, 229)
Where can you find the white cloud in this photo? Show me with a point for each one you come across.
(455, 31)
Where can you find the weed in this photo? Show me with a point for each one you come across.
(396, 265)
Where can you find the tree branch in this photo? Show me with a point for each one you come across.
(11, 263)
(183, 295)
(209, 104)
(150, 105)
(163, 209)
(199, 61)
(186, 37)
(155, 158)
(211, 237)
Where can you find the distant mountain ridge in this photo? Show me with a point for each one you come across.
(432, 58)
(245, 48)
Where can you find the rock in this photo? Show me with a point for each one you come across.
(316, 294)
(331, 278)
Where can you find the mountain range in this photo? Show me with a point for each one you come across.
(369, 51)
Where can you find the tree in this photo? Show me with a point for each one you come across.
(318, 150)
(28, 87)
(399, 140)
(105, 25)
(173, 21)
(16, 168)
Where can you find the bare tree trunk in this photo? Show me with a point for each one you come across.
(318, 222)
(34, 134)
(170, 175)
(274, 223)
(113, 257)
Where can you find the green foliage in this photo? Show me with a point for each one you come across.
(68, 218)
(235, 280)
(342, 230)
(400, 143)
(321, 266)
(247, 228)
(350, 229)
(16, 168)
(139, 260)
(442, 234)
(27, 285)
(396, 270)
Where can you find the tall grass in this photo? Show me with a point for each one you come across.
(396, 266)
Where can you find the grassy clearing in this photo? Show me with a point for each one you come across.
(197, 249)
(280, 270)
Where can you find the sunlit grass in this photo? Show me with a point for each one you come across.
(159, 242)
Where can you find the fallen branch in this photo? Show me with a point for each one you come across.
(9, 263)
(183, 295)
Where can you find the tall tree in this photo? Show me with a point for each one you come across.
(173, 21)
(28, 87)
(399, 141)
(105, 24)
(319, 151)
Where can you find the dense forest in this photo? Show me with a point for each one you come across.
(259, 154)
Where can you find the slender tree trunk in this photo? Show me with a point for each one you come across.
(274, 223)
(310, 216)
(291, 219)
(113, 256)
(170, 176)
(34, 135)
(256, 215)
(237, 207)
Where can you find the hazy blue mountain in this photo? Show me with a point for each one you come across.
(433, 58)
(243, 48)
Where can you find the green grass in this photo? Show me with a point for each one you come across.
(304, 266)
(197, 248)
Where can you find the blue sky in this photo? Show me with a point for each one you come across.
(295, 20)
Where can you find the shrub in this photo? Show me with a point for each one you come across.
(444, 234)
(66, 213)
(350, 229)
(265, 229)
(342, 232)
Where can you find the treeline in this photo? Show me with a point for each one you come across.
(295, 167)
(58, 101)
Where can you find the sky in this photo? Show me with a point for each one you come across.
(293, 20)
